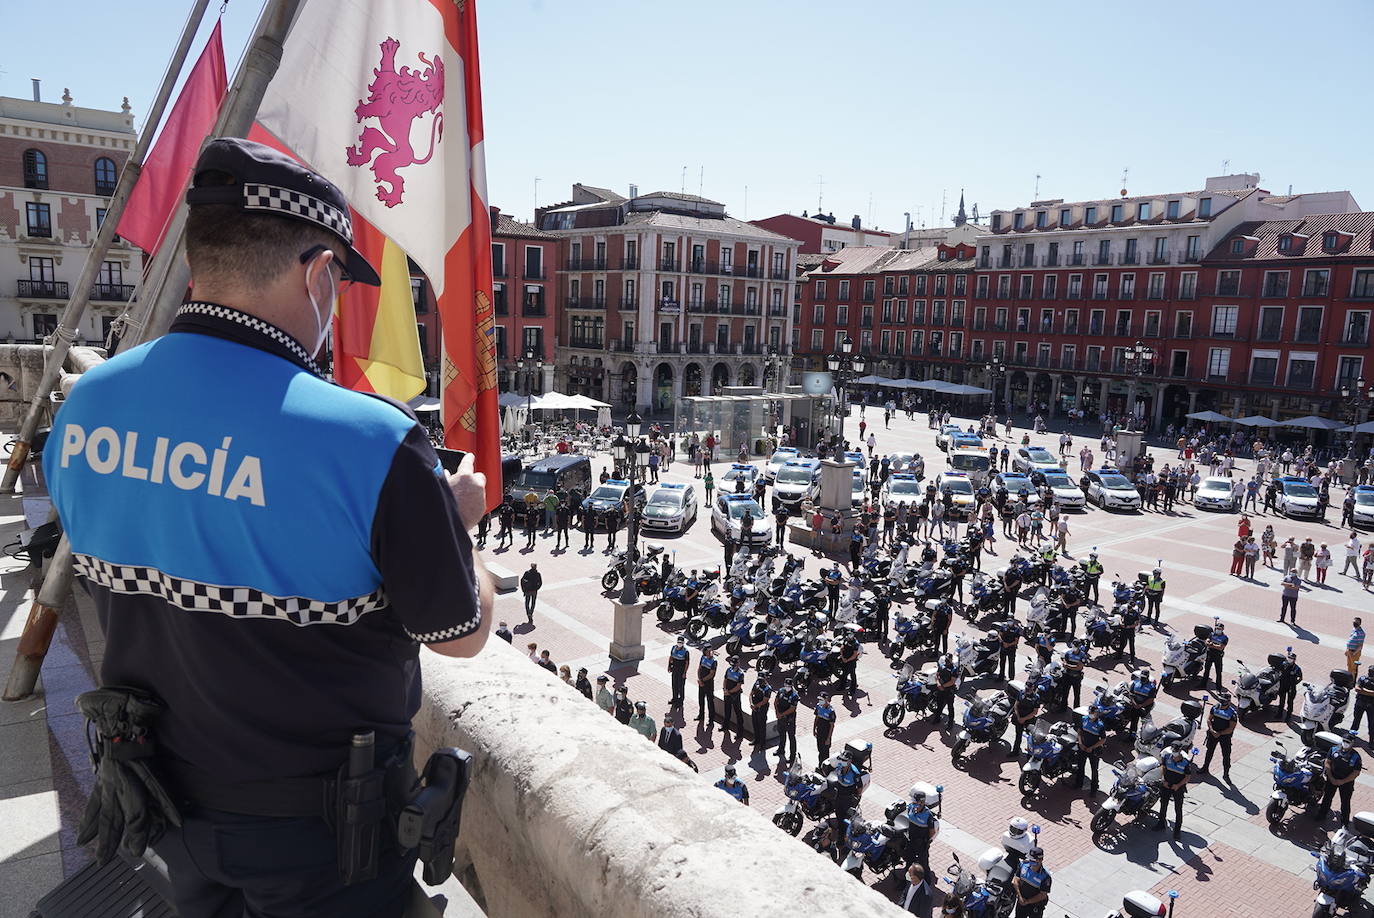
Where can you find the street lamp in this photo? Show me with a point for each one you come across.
(844, 366)
(532, 362)
(774, 383)
(996, 368)
(626, 450)
(1137, 361)
(1353, 398)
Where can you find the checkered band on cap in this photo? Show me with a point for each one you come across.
(301, 205)
(235, 602)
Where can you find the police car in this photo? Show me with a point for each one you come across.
(1066, 493)
(1111, 490)
(781, 456)
(856, 456)
(907, 462)
(739, 470)
(860, 486)
(1216, 493)
(1019, 487)
(1363, 514)
(960, 489)
(965, 440)
(671, 508)
(1296, 497)
(901, 488)
(946, 432)
(797, 480)
(610, 493)
(1029, 459)
(729, 509)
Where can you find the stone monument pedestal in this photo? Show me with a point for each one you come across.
(627, 631)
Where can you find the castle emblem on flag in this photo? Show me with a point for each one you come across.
(396, 100)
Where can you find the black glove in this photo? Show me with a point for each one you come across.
(129, 808)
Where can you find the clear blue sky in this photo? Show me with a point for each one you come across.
(774, 95)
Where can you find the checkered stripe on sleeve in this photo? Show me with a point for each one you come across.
(235, 602)
(299, 204)
(447, 634)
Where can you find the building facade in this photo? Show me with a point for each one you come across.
(664, 295)
(820, 234)
(59, 164)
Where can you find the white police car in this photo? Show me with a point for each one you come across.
(965, 440)
(1019, 488)
(1216, 493)
(960, 490)
(729, 509)
(739, 470)
(901, 488)
(1111, 490)
(1067, 494)
(670, 508)
(781, 456)
(1296, 497)
(856, 456)
(1363, 514)
(1029, 459)
(797, 480)
(610, 493)
(946, 432)
(860, 486)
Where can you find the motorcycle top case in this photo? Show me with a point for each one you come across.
(1275, 660)
(1142, 905)
(1363, 823)
(1326, 740)
(1190, 709)
(1202, 632)
(859, 752)
(1342, 678)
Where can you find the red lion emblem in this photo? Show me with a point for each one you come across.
(397, 99)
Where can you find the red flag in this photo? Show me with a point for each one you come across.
(167, 168)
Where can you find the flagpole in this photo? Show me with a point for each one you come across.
(65, 333)
(236, 118)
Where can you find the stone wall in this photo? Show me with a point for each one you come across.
(571, 814)
(21, 370)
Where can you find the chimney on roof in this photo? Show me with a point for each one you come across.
(856, 223)
(495, 215)
(634, 192)
(37, 96)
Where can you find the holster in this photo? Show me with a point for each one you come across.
(430, 821)
(367, 799)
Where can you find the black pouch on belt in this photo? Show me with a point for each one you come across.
(430, 821)
(360, 811)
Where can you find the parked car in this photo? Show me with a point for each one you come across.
(957, 485)
(1019, 487)
(901, 487)
(1216, 493)
(552, 473)
(797, 480)
(1364, 506)
(671, 508)
(1067, 494)
(729, 509)
(738, 470)
(781, 455)
(1029, 459)
(1111, 490)
(907, 462)
(946, 432)
(609, 494)
(1296, 497)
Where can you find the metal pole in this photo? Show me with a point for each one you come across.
(241, 106)
(66, 330)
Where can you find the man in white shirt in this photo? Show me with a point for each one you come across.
(917, 897)
(1352, 555)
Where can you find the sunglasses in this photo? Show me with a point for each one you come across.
(345, 280)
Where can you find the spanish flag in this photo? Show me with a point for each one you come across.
(376, 343)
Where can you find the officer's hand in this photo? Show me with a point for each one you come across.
(470, 491)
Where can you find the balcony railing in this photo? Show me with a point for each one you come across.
(1307, 335)
(630, 263)
(669, 264)
(778, 310)
(622, 346)
(533, 308)
(629, 302)
(534, 274)
(43, 290)
(1159, 258)
(1130, 258)
(1190, 258)
(586, 264)
(1225, 289)
(1006, 261)
(1070, 328)
(1051, 261)
(1077, 260)
(779, 275)
(697, 266)
(592, 342)
(980, 324)
(1187, 294)
(112, 293)
(747, 271)
(1263, 378)
(1073, 295)
(1102, 259)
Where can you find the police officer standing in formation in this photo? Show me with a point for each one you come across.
(1343, 766)
(1009, 633)
(849, 664)
(1092, 733)
(679, 658)
(1093, 569)
(823, 728)
(733, 786)
(1178, 768)
(759, 696)
(1140, 698)
(706, 687)
(1364, 703)
(946, 678)
(785, 707)
(1130, 627)
(1072, 680)
(1032, 885)
(833, 580)
(1290, 677)
(323, 546)
(1220, 726)
(1023, 713)
(1216, 652)
(924, 825)
(1154, 595)
(733, 691)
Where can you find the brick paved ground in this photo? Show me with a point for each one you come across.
(1227, 859)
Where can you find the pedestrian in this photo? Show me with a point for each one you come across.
(1238, 557)
(483, 527)
(1062, 529)
(551, 504)
(505, 534)
(1348, 510)
(917, 896)
(1352, 555)
(565, 673)
(604, 699)
(530, 582)
(759, 697)
(1290, 555)
(708, 484)
(582, 684)
(1288, 600)
(1354, 646)
(1023, 526)
(613, 517)
(1268, 545)
(823, 728)
(546, 662)
(1178, 768)
(1323, 562)
(1252, 550)
(532, 513)
(563, 521)
(785, 710)
(1307, 551)
(706, 687)
(679, 658)
(1221, 724)
(732, 693)
(1343, 766)
(1367, 566)
(642, 723)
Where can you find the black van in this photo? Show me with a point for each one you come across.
(552, 473)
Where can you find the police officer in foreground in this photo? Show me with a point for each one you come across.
(759, 697)
(1154, 595)
(1364, 703)
(734, 691)
(924, 825)
(785, 707)
(1032, 885)
(823, 728)
(1178, 768)
(1092, 570)
(1092, 734)
(1290, 677)
(266, 552)
(678, 660)
(1023, 714)
(1343, 766)
(1009, 637)
(733, 786)
(1221, 725)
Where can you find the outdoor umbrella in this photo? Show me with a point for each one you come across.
(1312, 422)
(584, 403)
(507, 399)
(874, 380)
(961, 389)
(1211, 417)
(930, 385)
(1366, 427)
(422, 404)
(1256, 420)
(603, 416)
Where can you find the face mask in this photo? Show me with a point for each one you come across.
(325, 319)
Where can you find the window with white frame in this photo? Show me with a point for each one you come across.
(1218, 363)
(1224, 320)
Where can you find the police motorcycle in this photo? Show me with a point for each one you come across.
(782, 646)
(1111, 706)
(711, 615)
(994, 896)
(1153, 740)
(789, 576)
(977, 657)
(1343, 868)
(1299, 779)
(1184, 659)
(1053, 749)
(1134, 793)
(818, 660)
(746, 629)
(881, 846)
(1324, 708)
(1047, 614)
(1140, 904)
(1255, 691)
(1044, 678)
(913, 631)
(686, 594)
(986, 594)
(915, 695)
(802, 598)
(1130, 593)
(985, 721)
(833, 787)
(1106, 630)
(648, 579)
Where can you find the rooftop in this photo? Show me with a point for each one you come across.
(67, 115)
(1306, 238)
(874, 259)
(505, 225)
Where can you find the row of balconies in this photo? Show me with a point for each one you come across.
(663, 346)
(59, 290)
(1083, 259)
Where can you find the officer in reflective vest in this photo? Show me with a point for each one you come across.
(1220, 727)
(679, 658)
(1032, 885)
(733, 786)
(1154, 595)
(1093, 568)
